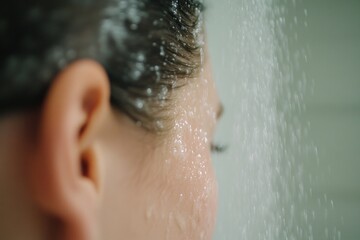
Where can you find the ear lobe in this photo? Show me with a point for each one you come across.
(65, 174)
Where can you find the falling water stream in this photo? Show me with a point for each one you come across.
(263, 194)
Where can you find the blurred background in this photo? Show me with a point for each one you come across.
(308, 52)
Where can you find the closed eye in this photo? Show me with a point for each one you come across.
(218, 148)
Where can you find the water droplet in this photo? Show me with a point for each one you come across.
(163, 93)
(149, 91)
(162, 51)
(141, 57)
(139, 103)
(160, 124)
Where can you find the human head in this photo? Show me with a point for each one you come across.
(112, 95)
(145, 47)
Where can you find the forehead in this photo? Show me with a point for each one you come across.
(199, 99)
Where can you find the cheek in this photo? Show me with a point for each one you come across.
(193, 184)
(203, 192)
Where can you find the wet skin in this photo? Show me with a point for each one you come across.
(165, 187)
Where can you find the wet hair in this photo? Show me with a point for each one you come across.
(147, 47)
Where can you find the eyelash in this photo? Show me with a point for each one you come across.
(217, 148)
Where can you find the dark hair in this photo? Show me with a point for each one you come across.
(147, 47)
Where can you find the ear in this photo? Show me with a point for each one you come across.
(65, 175)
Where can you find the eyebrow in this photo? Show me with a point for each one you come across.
(220, 111)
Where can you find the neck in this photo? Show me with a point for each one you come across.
(19, 217)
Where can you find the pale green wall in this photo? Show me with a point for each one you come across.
(332, 37)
